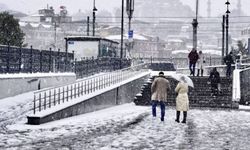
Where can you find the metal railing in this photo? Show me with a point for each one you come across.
(28, 60)
(50, 97)
(179, 62)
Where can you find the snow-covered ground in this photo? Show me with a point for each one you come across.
(123, 127)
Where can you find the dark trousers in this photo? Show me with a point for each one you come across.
(154, 104)
(192, 68)
(214, 88)
(229, 69)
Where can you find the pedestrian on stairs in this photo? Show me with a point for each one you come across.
(200, 63)
(159, 89)
(182, 100)
(214, 80)
(228, 60)
(193, 57)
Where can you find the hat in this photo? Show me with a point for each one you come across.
(161, 73)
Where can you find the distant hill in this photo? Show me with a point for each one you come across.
(16, 14)
(3, 7)
(162, 8)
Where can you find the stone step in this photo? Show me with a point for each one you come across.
(200, 96)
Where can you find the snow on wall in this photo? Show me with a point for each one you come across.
(18, 84)
(117, 94)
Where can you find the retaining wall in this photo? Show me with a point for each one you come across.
(115, 96)
(18, 83)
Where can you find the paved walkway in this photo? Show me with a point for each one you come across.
(124, 127)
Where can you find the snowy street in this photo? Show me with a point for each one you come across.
(124, 127)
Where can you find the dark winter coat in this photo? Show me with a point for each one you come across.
(193, 56)
(159, 88)
(214, 77)
(228, 60)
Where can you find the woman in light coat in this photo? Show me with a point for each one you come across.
(201, 61)
(182, 101)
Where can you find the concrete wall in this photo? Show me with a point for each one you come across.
(18, 85)
(116, 96)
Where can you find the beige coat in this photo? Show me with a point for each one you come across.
(182, 101)
(159, 89)
(201, 61)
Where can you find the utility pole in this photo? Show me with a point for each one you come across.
(122, 21)
(223, 38)
(87, 25)
(130, 10)
(227, 25)
(209, 8)
(94, 10)
(55, 36)
(195, 25)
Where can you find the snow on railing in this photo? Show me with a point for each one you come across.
(49, 97)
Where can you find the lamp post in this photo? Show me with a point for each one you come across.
(227, 25)
(94, 10)
(130, 10)
(195, 25)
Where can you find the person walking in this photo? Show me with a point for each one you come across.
(159, 89)
(200, 63)
(193, 57)
(182, 100)
(228, 60)
(214, 80)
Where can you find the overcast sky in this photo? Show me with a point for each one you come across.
(31, 6)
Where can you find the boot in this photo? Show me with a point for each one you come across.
(202, 72)
(198, 72)
(177, 116)
(184, 117)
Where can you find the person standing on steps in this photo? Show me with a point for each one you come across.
(159, 89)
(200, 63)
(214, 80)
(193, 57)
(182, 100)
(228, 60)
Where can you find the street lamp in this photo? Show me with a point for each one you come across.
(94, 10)
(195, 25)
(227, 24)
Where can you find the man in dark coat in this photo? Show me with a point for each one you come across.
(228, 60)
(193, 57)
(214, 79)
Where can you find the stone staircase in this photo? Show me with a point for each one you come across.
(199, 96)
(163, 66)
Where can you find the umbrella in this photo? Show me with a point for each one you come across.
(187, 79)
